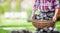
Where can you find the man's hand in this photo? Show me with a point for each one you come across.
(54, 18)
(32, 16)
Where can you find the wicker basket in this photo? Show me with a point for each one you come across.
(42, 23)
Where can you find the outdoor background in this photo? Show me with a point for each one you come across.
(15, 14)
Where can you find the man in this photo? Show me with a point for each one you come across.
(48, 8)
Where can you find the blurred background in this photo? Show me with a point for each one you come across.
(15, 14)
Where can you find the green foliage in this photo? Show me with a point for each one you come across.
(1, 10)
(58, 19)
(29, 11)
(4, 31)
(6, 7)
(59, 1)
(17, 8)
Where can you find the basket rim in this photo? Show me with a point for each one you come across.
(41, 20)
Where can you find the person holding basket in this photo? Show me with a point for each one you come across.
(48, 10)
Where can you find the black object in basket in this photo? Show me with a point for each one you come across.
(42, 23)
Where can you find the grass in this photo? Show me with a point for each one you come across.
(25, 25)
(4, 31)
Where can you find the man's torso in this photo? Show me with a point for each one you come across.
(46, 5)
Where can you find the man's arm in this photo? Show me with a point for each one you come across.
(56, 12)
(35, 7)
(55, 15)
(33, 13)
(56, 4)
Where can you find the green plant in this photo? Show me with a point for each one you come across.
(1, 10)
(29, 11)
